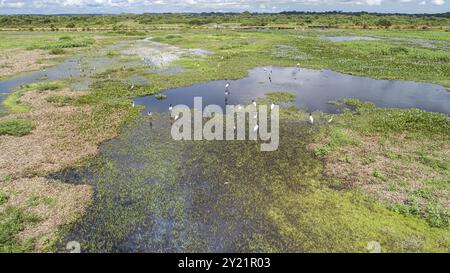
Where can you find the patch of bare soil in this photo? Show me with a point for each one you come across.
(56, 142)
(17, 60)
(389, 170)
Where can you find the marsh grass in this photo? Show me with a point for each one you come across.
(62, 43)
(59, 100)
(12, 221)
(17, 127)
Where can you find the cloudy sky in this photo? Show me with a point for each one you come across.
(139, 6)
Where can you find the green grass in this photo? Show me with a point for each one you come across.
(17, 127)
(387, 121)
(12, 221)
(65, 43)
(3, 198)
(13, 103)
(160, 96)
(59, 100)
(57, 51)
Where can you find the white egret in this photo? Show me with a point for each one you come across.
(272, 106)
(254, 103)
(330, 120)
(227, 85)
(311, 119)
(255, 128)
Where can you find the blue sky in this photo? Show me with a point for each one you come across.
(140, 6)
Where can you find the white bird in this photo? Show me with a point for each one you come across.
(311, 119)
(254, 103)
(132, 86)
(170, 107)
(176, 117)
(272, 106)
(227, 93)
(255, 128)
(330, 120)
(227, 85)
(132, 104)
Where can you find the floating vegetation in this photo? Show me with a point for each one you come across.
(160, 96)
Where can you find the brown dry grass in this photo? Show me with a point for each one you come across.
(55, 143)
(388, 169)
(13, 61)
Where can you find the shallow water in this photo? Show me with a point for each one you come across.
(313, 90)
(349, 38)
(150, 197)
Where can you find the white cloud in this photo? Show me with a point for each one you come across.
(438, 2)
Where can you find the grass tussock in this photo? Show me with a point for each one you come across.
(17, 127)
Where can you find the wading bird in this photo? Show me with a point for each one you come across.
(311, 119)
(330, 120)
(170, 107)
(255, 128)
(227, 85)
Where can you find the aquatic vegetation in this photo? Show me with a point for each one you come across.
(17, 127)
(370, 174)
(280, 97)
(3, 198)
(160, 96)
